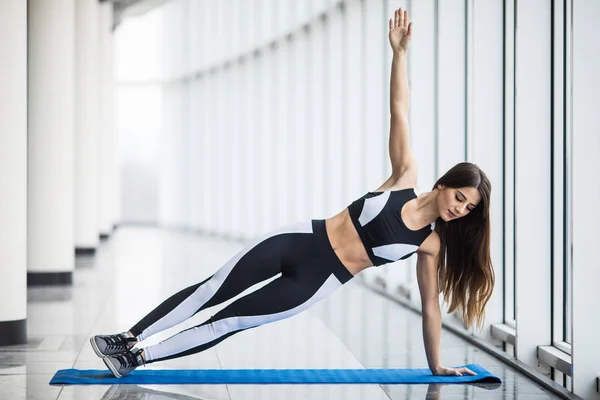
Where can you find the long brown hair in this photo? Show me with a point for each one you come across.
(466, 274)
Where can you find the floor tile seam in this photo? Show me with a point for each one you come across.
(26, 373)
(221, 367)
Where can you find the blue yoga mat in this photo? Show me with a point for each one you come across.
(268, 376)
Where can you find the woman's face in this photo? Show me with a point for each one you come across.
(455, 203)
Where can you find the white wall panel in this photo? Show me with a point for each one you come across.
(263, 13)
(235, 129)
(253, 147)
(175, 49)
(284, 18)
(219, 32)
(166, 49)
(194, 23)
(260, 107)
(165, 184)
(316, 121)
(488, 132)
(280, 136)
(185, 40)
(205, 152)
(301, 187)
(293, 155)
(245, 132)
(228, 150)
(182, 171)
(376, 110)
(333, 95)
(207, 39)
(180, 136)
(318, 6)
(246, 25)
(421, 64)
(353, 95)
(301, 11)
(533, 116)
(190, 149)
(451, 102)
(196, 142)
(586, 197)
(212, 197)
(226, 135)
(223, 152)
(236, 23)
(268, 153)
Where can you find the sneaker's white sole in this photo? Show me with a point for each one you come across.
(111, 367)
(96, 349)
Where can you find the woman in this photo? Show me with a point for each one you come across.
(318, 256)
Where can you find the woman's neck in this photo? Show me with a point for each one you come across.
(426, 207)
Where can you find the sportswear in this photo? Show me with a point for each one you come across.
(378, 221)
(308, 269)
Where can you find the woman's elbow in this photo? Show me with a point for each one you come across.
(431, 309)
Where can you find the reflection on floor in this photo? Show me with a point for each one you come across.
(139, 266)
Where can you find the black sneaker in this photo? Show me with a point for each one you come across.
(124, 363)
(111, 344)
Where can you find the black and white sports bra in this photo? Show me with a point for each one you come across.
(378, 221)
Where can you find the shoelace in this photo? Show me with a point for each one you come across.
(117, 342)
(130, 359)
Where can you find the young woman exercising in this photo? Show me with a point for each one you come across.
(448, 228)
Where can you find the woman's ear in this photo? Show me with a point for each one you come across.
(440, 186)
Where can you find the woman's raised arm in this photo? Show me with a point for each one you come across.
(400, 35)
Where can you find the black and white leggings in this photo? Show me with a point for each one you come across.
(310, 270)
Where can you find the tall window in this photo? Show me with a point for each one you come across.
(561, 177)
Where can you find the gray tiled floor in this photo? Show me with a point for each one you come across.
(138, 267)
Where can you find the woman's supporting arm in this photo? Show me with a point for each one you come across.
(427, 278)
(432, 328)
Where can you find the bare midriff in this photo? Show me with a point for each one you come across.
(346, 243)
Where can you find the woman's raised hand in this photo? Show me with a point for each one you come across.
(400, 31)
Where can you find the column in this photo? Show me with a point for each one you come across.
(13, 172)
(50, 64)
(87, 100)
(106, 142)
